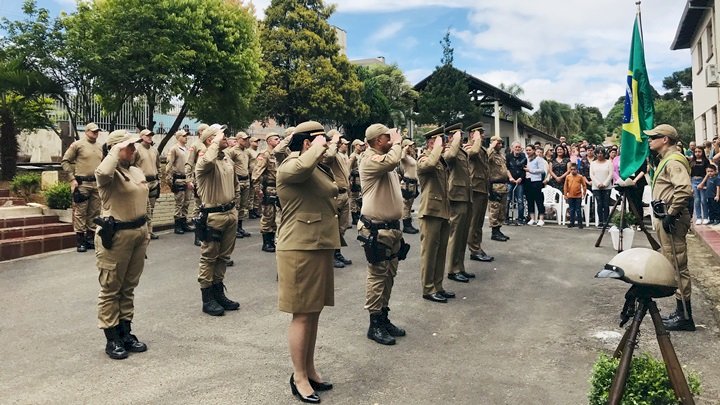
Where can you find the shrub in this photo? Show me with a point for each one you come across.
(25, 185)
(647, 384)
(58, 196)
(629, 219)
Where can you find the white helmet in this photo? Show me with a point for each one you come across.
(642, 267)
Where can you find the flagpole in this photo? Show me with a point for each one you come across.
(639, 16)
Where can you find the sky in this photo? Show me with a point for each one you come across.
(572, 52)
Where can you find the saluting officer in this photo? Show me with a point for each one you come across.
(80, 161)
(148, 160)
(339, 165)
(121, 242)
(265, 172)
(241, 160)
(175, 172)
(355, 187)
(255, 187)
(478, 158)
(433, 216)
(380, 226)
(671, 184)
(498, 173)
(196, 148)
(408, 183)
(217, 226)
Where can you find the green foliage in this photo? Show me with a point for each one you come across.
(58, 196)
(25, 185)
(628, 219)
(647, 384)
(678, 85)
(557, 118)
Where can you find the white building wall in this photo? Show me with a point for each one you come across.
(704, 51)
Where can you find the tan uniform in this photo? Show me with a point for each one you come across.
(340, 167)
(460, 196)
(382, 205)
(265, 172)
(124, 194)
(672, 185)
(255, 193)
(433, 214)
(408, 183)
(193, 152)
(215, 177)
(241, 163)
(175, 171)
(497, 171)
(355, 186)
(478, 159)
(148, 160)
(80, 161)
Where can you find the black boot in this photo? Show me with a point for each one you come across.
(339, 256)
(254, 214)
(219, 292)
(377, 331)
(337, 263)
(408, 227)
(178, 226)
(90, 240)
(497, 235)
(355, 217)
(393, 330)
(185, 225)
(502, 234)
(678, 311)
(210, 306)
(130, 341)
(80, 239)
(679, 322)
(268, 242)
(114, 347)
(241, 231)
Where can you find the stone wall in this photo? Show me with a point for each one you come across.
(164, 214)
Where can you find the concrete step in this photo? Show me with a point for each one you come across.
(4, 192)
(27, 221)
(34, 230)
(19, 212)
(33, 245)
(11, 201)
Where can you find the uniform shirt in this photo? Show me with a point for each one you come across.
(574, 186)
(193, 152)
(497, 168)
(176, 159)
(147, 159)
(382, 197)
(215, 177)
(460, 186)
(82, 158)
(122, 188)
(408, 166)
(339, 165)
(433, 176)
(266, 167)
(672, 185)
(478, 160)
(281, 150)
(252, 157)
(240, 159)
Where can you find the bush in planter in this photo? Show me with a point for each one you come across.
(25, 185)
(647, 384)
(58, 196)
(629, 219)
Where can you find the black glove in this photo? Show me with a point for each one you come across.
(668, 223)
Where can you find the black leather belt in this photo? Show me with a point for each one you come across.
(342, 190)
(499, 181)
(409, 180)
(220, 208)
(381, 225)
(270, 184)
(131, 224)
(178, 176)
(243, 178)
(151, 178)
(85, 178)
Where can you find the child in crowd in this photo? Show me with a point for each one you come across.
(712, 182)
(575, 189)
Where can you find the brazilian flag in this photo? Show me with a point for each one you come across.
(639, 108)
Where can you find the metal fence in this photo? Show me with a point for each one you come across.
(131, 113)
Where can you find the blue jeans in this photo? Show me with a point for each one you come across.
(515, 192)
(575, 208)
(700, 206)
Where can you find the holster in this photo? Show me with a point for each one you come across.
(493, 196)
(409, 188)
(355, 181)
(79, 197)
(107, 230)
(201, 226)
(176, 187)
(270, 198)
(375, 251)
(404, 250)
(155, 191)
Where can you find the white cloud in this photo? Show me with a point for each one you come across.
(386, 32)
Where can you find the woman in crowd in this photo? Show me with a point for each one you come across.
(307, 239)
(601, 175)
(698, 167)
(584, 164)
(559, 168)
(536, 167)
(614, 157)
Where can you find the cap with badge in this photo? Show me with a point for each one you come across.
(242, 135)
(663, 130)
(92, 127)
(119, 136)
(375, 130)
(357, 142)
(478, 126)
(211, 131)
(311, 128)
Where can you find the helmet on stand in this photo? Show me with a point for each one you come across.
(645, 268)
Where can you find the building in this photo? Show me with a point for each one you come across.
(380, 60)
(696, 32)
(341, 39)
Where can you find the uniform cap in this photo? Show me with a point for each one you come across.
(495, 138)
(212, 130)
(407, 142)
(333, 132)
(478, 126)
(254, 139)
(146, 132)
(434, 132)
(289, 131)
(92, 127)
(375, 130)
(311, 127)
(202, 127)
(119, 136)
(344, 141)
(179, 134)
(271, 134)
(357, 142)
(242, 135)
(664, 130)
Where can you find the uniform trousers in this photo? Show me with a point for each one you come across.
(182, 202)
(498, 210)
(381, 275)
(242, 199)
(214, 254)
(407, 207)
(343, 208)
(86, 211)
(355, 201)
(679, 238)
(151, 204)
(434, 234)
(477, 220)
(457, 241)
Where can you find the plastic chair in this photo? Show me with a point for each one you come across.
(553, 198)
(584, 206)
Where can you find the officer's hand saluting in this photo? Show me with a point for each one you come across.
(319, 140)
(395, 136)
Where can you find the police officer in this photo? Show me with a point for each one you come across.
(355, 187)
(175, 172)
(408, 183)
(671, 185)
(80, 161)
(265, 172)
(196, 148)
(380, 227)
(148, 160)
(255, 187)
(433, 216)
(121, 242)
(339, 165)
(241, 160)
(498, 173)
(478, 158)
(217, 225)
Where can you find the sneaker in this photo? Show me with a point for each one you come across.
(705, 221)
(531, 222)
(698, 221)
(540, 223)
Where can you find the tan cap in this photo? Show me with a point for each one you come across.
(664, 130)
(271, 134)
(179, 134)
(344, 141)
(119, 136)
(357, 142)
(375, 130)
(91, 126)
(311, 127)
(333, 132)
(242, 135)
(146, 132)
(254, 139)
(407, 142)
(203, 127)
(289, 131)
(495, 138)
(212, 130)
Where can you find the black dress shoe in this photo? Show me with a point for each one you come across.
(320, 386)
(481, 257)
(435, 297)
(153, 236)
(310, 399)
(458, 277)
(447, 294)
(467, 275)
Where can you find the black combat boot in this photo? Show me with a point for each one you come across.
(90, 240)
(219, 293)
(130, 341)
(408, 227)
(210, 305)
(393, 330)
(377, 330)
(337, 263)
(114, 347)
(355, 217)
(497, 235)
(178, 226)
(679, 322)
(254, 214)
(268, 242)
(80, 239)
(678, 311)
(186, 226)
(502, 234)
(245, 234)
(339, 256)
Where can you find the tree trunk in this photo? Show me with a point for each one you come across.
(8, 145)
(151, 111)
(175, 126)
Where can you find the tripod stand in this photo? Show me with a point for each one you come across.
(623, 202)
(627, 345)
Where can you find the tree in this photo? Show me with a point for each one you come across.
(307, 76)
(513, 89)
(592, 124)
(678, 85)
(557, 118)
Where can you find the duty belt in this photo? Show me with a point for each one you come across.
(178, 176)
(409, 180)
(499, 181)
(151, 178)
(380, 225)
(270, 184)
(342, 190)
(220, 208)
(80, 179)
(131, 224)
(243, 178)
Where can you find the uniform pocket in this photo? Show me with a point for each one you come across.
(107, 276)
(309, 217)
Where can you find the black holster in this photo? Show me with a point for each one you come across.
(107, 230)
(493, 196)
(201, 226)
(355, 181)
(176, 187)
(155, 191)
(79, 197)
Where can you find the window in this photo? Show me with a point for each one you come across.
(714, 121)
(709, 41)
(704, 126)
(699, 53)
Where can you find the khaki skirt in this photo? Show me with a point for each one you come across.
(305, 280)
